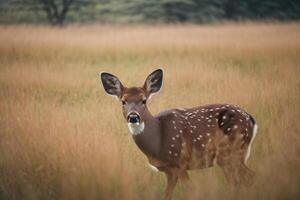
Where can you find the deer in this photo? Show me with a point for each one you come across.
(182, 139)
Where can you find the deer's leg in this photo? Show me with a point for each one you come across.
(245, 174)
(171, 183)
(224, 160)
(185, 179)
(236, 172)
(187, 183)
(229, 173)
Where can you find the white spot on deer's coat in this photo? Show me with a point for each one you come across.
(235, 126)
(136, 128)
(180, 131)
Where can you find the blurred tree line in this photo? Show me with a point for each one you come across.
(58, 12)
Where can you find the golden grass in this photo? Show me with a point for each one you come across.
(61, 137)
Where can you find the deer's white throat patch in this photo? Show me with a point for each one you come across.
(136, 128)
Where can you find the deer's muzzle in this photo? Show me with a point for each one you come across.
(133, 117)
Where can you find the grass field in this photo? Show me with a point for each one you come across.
(62, 137)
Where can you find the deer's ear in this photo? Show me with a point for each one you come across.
(112, 85)
(153, 82)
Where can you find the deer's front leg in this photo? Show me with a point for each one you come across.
(171, 183)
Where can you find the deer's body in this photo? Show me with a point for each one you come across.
(196, 138)
(178, 140)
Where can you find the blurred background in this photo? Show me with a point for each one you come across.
(151, 11)
(62, 137)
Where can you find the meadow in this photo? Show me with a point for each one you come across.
(62, 137)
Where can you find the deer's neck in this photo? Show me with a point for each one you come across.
(149, 140)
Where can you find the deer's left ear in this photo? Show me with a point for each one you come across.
(153, 82)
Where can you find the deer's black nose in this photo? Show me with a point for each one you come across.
(133, 117)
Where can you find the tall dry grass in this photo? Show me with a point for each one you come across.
(61, 137)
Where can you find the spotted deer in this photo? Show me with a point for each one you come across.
(178, 140)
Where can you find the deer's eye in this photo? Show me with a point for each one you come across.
(123, 102)
(144, 101)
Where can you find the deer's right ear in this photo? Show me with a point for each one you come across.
(112, 85)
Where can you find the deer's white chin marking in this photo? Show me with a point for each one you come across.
(136, 128)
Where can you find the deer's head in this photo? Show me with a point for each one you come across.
(133, 99)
